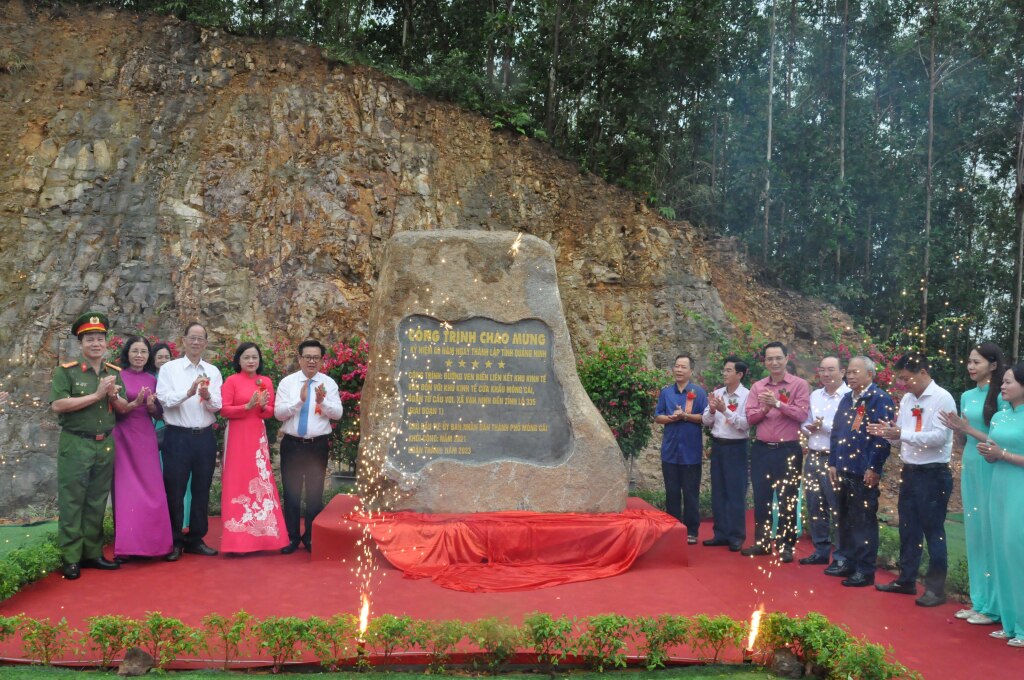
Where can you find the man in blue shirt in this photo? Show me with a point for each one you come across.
(680, 409)
(855, 464)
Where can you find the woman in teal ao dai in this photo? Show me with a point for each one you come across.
(1004, 450)
(977, 408)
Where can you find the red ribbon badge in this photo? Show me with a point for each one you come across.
(916, 412)
(733, 405)
(860, 417)
(690, 396)
(784, 395)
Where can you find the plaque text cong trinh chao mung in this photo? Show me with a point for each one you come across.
(478, 391)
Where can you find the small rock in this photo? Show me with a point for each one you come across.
(786, 665)
(136, 662)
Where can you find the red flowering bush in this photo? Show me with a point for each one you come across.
(624, 390)
(346, 364)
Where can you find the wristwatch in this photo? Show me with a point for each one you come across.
(778, 404)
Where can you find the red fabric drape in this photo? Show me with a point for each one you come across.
(505, 551)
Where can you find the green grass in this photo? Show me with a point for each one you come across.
(686, 673)
(12, 537)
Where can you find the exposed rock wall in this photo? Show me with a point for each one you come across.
(161, 172)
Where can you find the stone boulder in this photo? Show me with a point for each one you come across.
(472, 402)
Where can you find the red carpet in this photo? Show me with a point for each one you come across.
(716, 581)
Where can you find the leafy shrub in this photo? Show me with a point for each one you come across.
(43, 640)
(661, 634)
(603, 642)
(228, 631)
(551, 637)
(498, 641)
(333, 639)
(388, 633)
(280, 637)
(166, 638)
(438, 639)
(624, 390)
(111, 634)
(710, 635)
(27, 564)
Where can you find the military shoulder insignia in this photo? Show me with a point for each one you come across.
(69, 364)
(113, 366)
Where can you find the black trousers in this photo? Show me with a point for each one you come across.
(303, 466)
(857, 508)
(187, 452)
(924, 497)
(775, 469)
(729, 461)
(682, 493)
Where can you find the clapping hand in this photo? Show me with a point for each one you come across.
(954, 422)
(717, 403)
(264, 397)
(142, 396)
(254, 399)
(321, 393)
(103, 389)
(766, 400)
(883, 429)
(990, 451)
(815, 424)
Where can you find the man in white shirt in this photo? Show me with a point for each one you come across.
(925, 445)
(188, 389)
(730, 439)
(307, 401)
(819, 494)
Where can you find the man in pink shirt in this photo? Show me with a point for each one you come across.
(777, 406)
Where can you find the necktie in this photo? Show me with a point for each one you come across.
(304, 413)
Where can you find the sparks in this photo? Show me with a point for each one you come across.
(514, 250)
(364, 615)
(755, 627)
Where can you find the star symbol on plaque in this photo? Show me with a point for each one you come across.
(475, 364)
(448, 364)
(501, 364)
(487, 364)
(462, 364)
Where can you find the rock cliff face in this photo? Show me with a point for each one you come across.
(162, 172)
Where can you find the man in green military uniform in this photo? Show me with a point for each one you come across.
(85, 394)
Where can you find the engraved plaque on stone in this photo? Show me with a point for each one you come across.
(478, 391)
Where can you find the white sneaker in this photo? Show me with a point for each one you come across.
(965, 613)
(999, 635)
(1016, 642)
(981, 620)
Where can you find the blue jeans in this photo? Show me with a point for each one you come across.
(682, 493)
(729, 460)
(857, 521)
(924, 497)
(775, 469)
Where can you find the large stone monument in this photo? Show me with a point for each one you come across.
(471, 401)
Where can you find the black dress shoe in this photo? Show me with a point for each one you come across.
(735, 547)
(814, 559)
(100, 563)
(71, 571)
(754, 551)
(200, 548)
(859, 580)
(289, 549)
(309, 546)
(839, 568)
(715, 542)
(787, 556)
(174, 555)
(121, 559)
(930, 599)
(897, 587)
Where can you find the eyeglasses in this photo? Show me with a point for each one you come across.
(306, 357)
(196, 338)
(139, 352)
